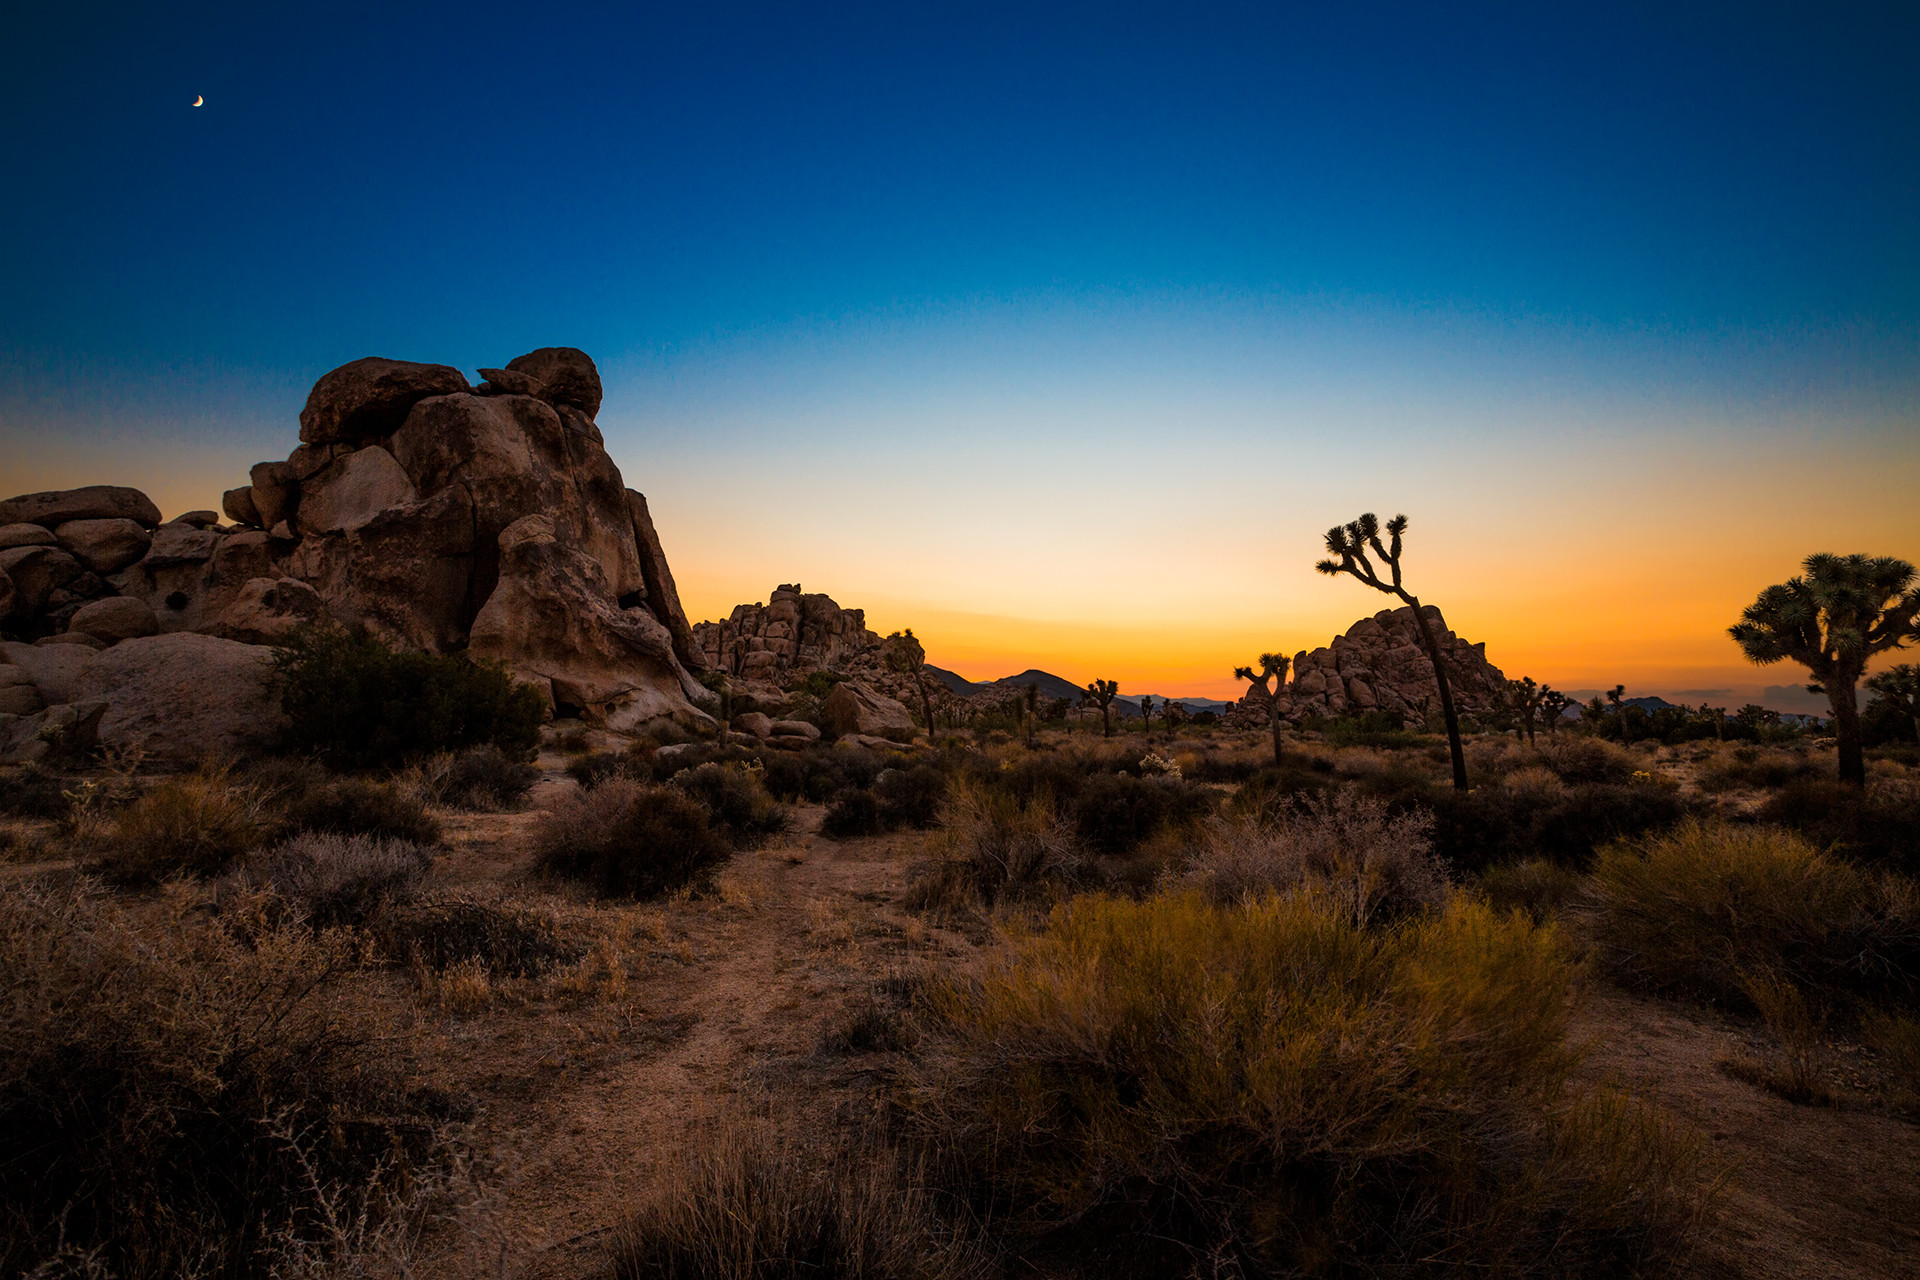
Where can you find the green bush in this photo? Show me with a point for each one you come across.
(628, 840)
(1703, 908)
(1116, 813)
(359, 703)
(185, 826)
(736, 802)
(1540, 888)
(357, 806)
(1279, 1091)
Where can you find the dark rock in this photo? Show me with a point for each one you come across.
(370, 398)
(567, 376)
(94, 502)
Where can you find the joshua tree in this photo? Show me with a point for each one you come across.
(1553, 705)
(1033, 709)
(1273, 666)
(906, 656)
(1899, 687)
(1617, 696)
(1101, 694)
(1832, 621)
(1146, 713)
(1524, 696)
(1171, 714)
(1350, 544)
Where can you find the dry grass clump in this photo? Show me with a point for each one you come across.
(443, 933)
(1896, 1037)
(1376, 865)
(1167, 1086)
(483, 779)
(1757, 768)
(997, 846)
(737, 801)
(1540, 888)
(628, 840)
(192, 825)
(360, 806)
(743, 1203)
(1702, 908)
(1580, 758)
(335, 880)
(151, 1078)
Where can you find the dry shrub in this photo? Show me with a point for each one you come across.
(435, 935)
(149, 1079)
(1799, 1031)
(359, 806)
(740, 1202)
(192, 825)
(1896, 1037)
(997, 846)
(628, 840)
(1538, 887)
(1375, 864)
(30, 792)
(1154, 1088)
(737, 801)
(334, 879)
(1579, 758)
(1758, 768)
(484, 779)
(1701, 908)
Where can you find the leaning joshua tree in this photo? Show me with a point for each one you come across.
(1101, 694)
(1832, 621)
(1350, 543)
(1899, 687)
(906, 655)
(1273, 666)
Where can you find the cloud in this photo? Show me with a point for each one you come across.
(1702, 693)
(1794, 697)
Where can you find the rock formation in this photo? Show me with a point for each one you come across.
(443, 516)
(1379, 665)
(787, 638)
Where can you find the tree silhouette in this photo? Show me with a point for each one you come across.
(1101, 694)
(1350, 543)
(1033, 709)
(1524, 696)
(1146, 713)
(906, 656)
(1832, 620)
(1899, 687)
(1273, 666)
(1553, 705)
(1617, 696)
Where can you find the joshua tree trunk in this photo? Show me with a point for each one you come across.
(1846, 731)
(1432, 647)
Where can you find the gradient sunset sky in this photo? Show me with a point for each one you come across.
(1059, 333)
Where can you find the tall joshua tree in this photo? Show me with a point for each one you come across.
(907, 656)
(1146, 713)
(1524, 696)
(1553, 705)
(1900, 688)
(1349, 544)
(1273, 666)
(1618, 697)
(1832, 620)
(1101, 694)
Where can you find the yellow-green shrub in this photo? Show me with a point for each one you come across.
(185, 826)
(1702, 908)
(1272, 1085)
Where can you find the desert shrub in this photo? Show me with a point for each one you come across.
(996, 847)
(1579, 758)
(1476, 829)
(503, 937)
(594, 768)
(1057, 776)
(737, 802)
(1701, 909)
(1569, 829)
(1896, 1038)
(854, 812)
(1879, 826)
(192, 825)
(30, 792)
(1753, 767)
(359, 703)
(1375, 865)
(484, 778)
(1370, 729)
(628, 840)
(334, 879)
(1116, 813)
(911, 797)
(744, 1203)
(1271, 1088)
(360, 806)
(1536, 886)
(154, 1085)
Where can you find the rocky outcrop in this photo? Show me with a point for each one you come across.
(1379, 664)
(405, 509)
(852, 707)
(788, 638)
(179, 698)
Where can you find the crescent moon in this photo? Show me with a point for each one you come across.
(198, 100)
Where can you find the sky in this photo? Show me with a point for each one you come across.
(1060, 333)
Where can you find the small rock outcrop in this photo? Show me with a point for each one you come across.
(853, 707)
(451, 518)
(792, 635)
(1379, 664)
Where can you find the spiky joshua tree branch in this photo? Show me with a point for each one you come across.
(1899, 687)
(1348, 546)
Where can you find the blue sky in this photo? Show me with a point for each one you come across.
(1049, 286)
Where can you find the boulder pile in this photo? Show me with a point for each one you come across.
(486, 519)
(1379, 664)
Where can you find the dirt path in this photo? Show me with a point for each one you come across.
(1813, 1191)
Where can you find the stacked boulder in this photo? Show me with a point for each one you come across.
(1379, 664)
(444, 516)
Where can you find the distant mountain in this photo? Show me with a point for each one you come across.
(953, 680)
(1053, 686)
(1050, 685)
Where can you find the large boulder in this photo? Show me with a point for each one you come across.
(662, 596)
(267, 610)
(353, 490)
(94, 502)
(567, 375)
(114, 619)
(25, 535)
(59, 732)
(853, 707)
(370, 398)
(19, 695)
(54, 669)
(552, 619)
(105, 546)
(181, 697)
(9, 595)
(238, 504)
(37, 572)
(407, 574)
